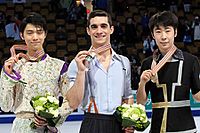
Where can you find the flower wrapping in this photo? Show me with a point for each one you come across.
(132, 116)
(47, 107)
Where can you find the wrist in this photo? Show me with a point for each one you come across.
(81, 72)
(13, 77)
(141, 85)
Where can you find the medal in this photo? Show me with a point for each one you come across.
(90, 57)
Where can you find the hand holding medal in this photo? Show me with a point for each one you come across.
(8, 66)
(93, 52)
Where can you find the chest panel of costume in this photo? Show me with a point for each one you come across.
(170, 98)
(175, 76)
(40, 77)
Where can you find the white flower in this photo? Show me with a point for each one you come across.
(126, 105)
(134, 112)
(56, 101)
(39, 108)
(141, 107)
(46, 106)
(134, 117)
(46, 103)
(43, 99)
(134, 105)
(126, 114)
(55, 112)
(143, 118)
(52, 99)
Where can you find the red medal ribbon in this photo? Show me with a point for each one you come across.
(36, 55)
(101, 49)
(157, 67)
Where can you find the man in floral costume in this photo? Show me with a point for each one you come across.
(35, 73)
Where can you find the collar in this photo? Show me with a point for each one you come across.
(43, 58)
(115, 55)
(178, 54)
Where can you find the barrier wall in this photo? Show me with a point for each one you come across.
(78, 116)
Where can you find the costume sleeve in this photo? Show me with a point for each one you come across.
(195, 86)
(72, 72)
(65, 109)
(7, 84)
(146, 64)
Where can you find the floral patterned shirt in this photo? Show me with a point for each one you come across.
(32, 79)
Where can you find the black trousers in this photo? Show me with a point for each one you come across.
(100, 123)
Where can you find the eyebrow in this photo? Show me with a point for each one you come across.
(35, 30)
(165, 27)
(100, 24)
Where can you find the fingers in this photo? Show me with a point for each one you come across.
(17, 47)
(81, 55)
(8, 64)
(129, 130)
(146, 75)
(12, 51)
(19, 55)
(39, 121)
(80, 60)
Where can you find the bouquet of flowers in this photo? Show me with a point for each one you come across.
(132, 115)
(47, 107)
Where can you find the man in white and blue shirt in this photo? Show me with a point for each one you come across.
(104, 81)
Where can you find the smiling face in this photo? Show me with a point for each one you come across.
(34, 37)
(164, 37)
(99, 31)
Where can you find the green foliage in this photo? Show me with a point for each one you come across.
(47, 107)
(132, 115)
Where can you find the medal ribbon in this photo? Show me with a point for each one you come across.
(36, 55)
(101, 49)
(157, 67)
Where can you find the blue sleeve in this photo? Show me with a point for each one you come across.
(72, 71)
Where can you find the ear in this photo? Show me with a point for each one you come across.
(175, 33)
(21, 35)
(88, 31)
(152, 35)
(46, 34)
(112, 29)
